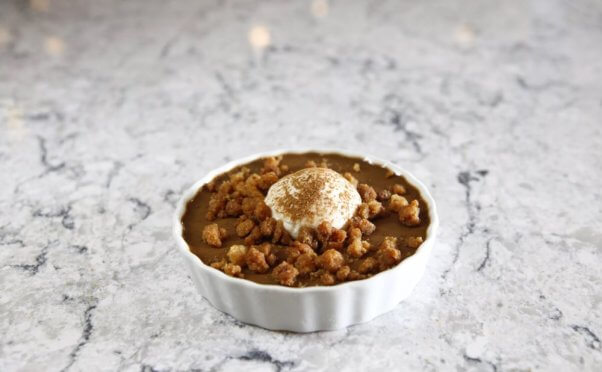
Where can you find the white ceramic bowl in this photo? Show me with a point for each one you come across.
(312, 308)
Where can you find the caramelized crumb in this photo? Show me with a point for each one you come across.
(363, 210)
(256, 261)
(365, 226)
(331, 260)
(267, 226)
(410, 214)
(366, 192)
(356, 248)
(254, 236)
(306, 263)
(212, 235)
(388, 255)
(267, 180)
(327, 278)
(336, 239)
(343, 273)
(356, 167)
(244, 228)
(233, 208)
(367, 265)
(262, 211)
(397, 202)
(219, 264)
(271, 164)
(248, 206)
(310, 164)
(384, 195)
(414, 242)
(285, 274)
(265, 248)
(355, 233)
(398, 189)
(271, 259)
(303, 248)
(324, 230)
(375, 209)
(306, 236)
(237, 254)
(233, 270)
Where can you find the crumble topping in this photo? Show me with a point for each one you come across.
(323, 253)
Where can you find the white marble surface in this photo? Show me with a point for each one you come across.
(109, 109)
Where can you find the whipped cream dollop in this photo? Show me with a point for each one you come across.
(310, 196)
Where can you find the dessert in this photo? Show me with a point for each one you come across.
(303, 220)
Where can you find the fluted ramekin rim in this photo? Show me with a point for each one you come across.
(184, 249)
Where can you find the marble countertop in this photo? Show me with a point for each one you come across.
(109, 110)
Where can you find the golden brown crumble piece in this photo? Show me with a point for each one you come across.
(303, 248)
(267, 180)
(375, 209)
(254, 236)
(388, 255)
(384, 195)
(343, 273)
(262, 211)
(331, 260)
(291, 254)
(271, 259)
(414, 242)
(410, 214)
(349, 177)
(215, 206)
(212, 235)
(265, 248)
(336, 239)
(280, 234)
(306, 235)
(267, 226)
(284, 168)
(285, 274)
(363, 210)
(256, 260)
(365, 226)
(398, 189)
(237, 254)
(219, 264)
(240, 176)
(306, 263)
(244, 228)
(211, 186)
(356, 167)
(271, 164)
(233, 208)
(327, 278)
(355, 233)
(233, 270)
(310, 164)
(366, 192)
(368, 265)
(356, 248)
(324, 230)
(397, 202)
(248, 206)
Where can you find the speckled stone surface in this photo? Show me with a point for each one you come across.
(110, 109)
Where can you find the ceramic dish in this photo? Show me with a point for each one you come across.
(311, 308)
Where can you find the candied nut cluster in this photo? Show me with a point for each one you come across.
(258, 244)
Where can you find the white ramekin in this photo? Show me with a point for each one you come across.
(312, 308)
